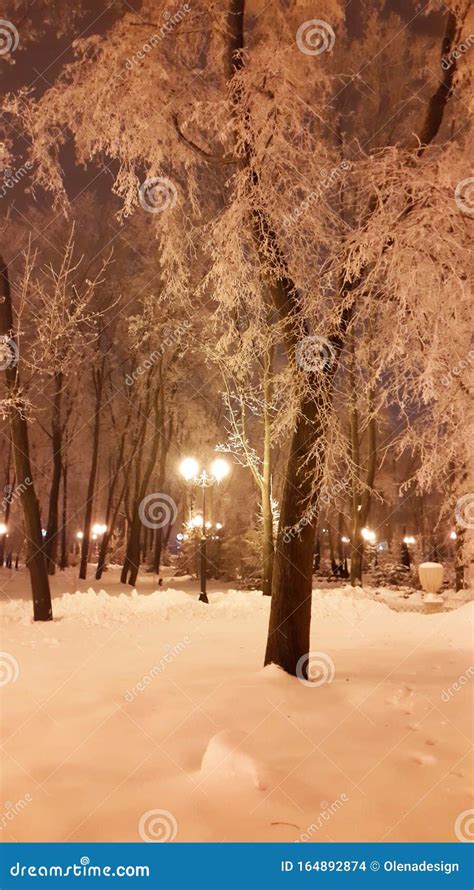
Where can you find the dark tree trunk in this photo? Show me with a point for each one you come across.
(131, 564)
(35, 559)
(7, 502)
(51, 543)
(268, 543)
(459, 559)
(157, 550)
(63, 559)
(290, 617)
(160, 436)
(98, 379)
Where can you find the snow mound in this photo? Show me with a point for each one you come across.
(353, 606)
(227, 758)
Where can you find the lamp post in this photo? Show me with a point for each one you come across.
(201, 478)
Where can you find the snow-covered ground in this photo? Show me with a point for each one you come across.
(148, 715)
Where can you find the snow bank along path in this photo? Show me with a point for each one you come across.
(150, 716)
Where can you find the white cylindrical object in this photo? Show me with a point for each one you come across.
(431, 576)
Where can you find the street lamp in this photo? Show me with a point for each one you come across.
(368, 535)
(99, 529)
(3, 529)
(189, 469)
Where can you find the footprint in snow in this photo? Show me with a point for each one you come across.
(424, 759)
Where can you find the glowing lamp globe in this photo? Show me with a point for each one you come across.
(189, 468)
(219, 469)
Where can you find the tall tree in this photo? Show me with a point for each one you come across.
(17, 411)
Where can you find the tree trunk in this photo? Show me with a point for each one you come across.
(131, 564)
(35, 559)
(290, 616)
(63, 560)
(157, 550)
(51, 542)
(98, 378)
(7, 503)
(267, 512)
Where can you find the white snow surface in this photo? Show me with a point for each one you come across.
(129, 703)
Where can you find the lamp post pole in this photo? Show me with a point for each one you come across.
(190, 471)
(203, 544)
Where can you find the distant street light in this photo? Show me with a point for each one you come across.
(195, 521)
(369, 536)
(409, 539)
(99, 529)
(79, 536)
(453, 535)
(189, 469)
(3, 529)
